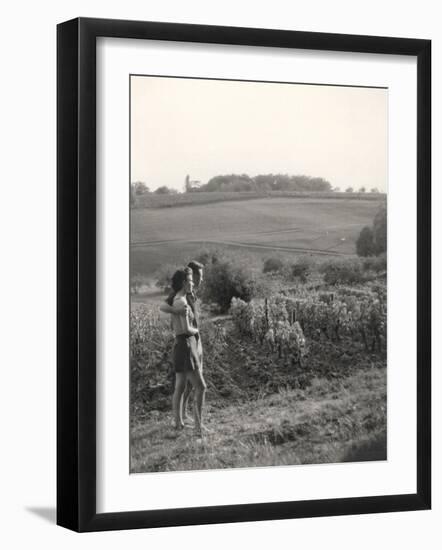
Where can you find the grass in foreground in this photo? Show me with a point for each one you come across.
(330, 421)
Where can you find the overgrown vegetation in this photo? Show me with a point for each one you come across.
(293, 377)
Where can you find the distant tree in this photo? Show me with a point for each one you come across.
(362, 190)
(139, 188)
(282, 182)
(319, 184)
(231, 182)
(380, 231)
(374, 190)
(187, 187)
(264, 182)
(164, 190)
(336, 189)
(365, 243)
(349, 190)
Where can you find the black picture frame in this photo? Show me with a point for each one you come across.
(77, 287)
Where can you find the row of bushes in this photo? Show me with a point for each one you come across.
(299, 270)
(228, 276)
(352, 270)
(336, 271)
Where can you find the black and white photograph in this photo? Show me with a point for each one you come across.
(258, 274)
(221, 327)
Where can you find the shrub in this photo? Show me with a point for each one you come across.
(342, 272)
(365, 243)
(273, 265)
(373, 240)
(209, 256)
(302, 268)
(226, 279)
(164, 190)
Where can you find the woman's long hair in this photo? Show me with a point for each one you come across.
(178, 280)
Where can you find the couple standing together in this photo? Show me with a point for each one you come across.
(182, 305)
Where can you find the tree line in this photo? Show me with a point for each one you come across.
(264, 182)
(261, 183)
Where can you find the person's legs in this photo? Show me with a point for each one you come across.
(180, 383)
(197, 380)
(189, 386)
(187, 391)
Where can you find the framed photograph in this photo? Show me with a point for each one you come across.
(243, 274)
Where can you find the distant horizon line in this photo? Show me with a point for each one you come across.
(337, 189)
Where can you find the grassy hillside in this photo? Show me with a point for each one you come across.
(153, 200)
(290, 225)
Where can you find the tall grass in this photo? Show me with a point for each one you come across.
(330, 421)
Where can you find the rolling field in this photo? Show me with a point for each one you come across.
(259, 226)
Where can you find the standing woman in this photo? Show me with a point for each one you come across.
(186, 352)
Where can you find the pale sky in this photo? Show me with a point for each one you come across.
(206, 128)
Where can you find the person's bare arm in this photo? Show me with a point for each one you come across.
(189, 328)
(178, 309)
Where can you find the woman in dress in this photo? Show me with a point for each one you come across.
(186, 351)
